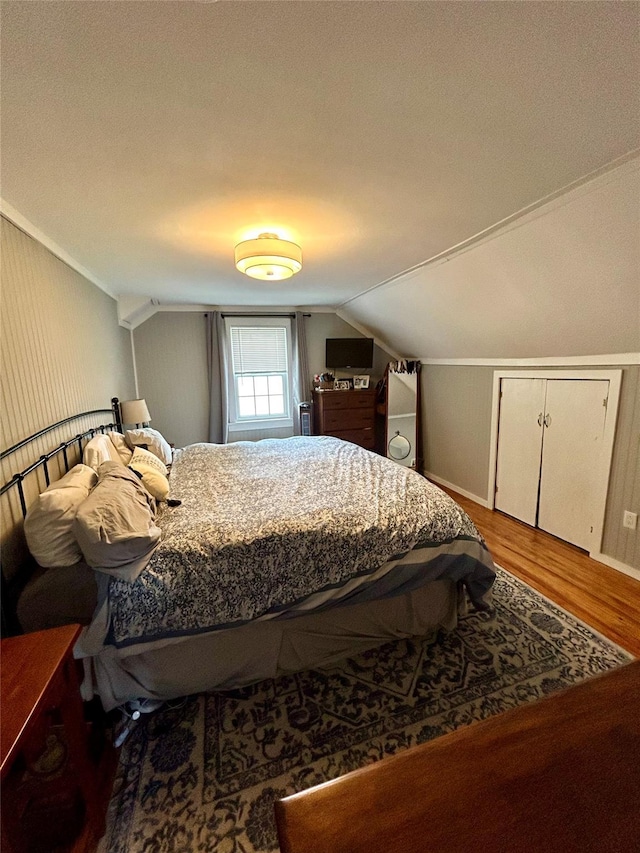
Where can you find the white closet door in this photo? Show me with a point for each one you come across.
(571, 458)
(519, 447)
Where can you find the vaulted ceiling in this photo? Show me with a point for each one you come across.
(147, 138)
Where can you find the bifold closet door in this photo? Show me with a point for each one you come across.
(519, 447)
(572, 457)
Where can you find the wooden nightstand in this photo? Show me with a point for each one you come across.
(44, 741)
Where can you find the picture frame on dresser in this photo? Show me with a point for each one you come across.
(342, 385)
(361, 382)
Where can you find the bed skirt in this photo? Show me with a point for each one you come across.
(232, 658)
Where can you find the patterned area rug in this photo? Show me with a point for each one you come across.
(203, 776)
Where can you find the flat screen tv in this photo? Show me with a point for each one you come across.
(356, 353)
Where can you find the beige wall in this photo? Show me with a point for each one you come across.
(456, 412)
(171, 362)
(624, 482)
(61, 349)
(323, 326)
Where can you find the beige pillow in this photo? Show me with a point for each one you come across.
(115, 525)
(152, 440)
(122, 448)
(147, 459)
(98, 450)
(152, 473)
(48, 526)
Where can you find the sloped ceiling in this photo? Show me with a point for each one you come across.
(562, 281)
(146, 138)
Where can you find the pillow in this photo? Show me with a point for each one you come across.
(48, 525)
(148, 460)
(100, 449)
(153, 473)
(152, 440)
(115, 525)
(122, 448)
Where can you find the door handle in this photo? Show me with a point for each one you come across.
(540, 419)
(547, 420)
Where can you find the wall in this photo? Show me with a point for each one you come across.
(171, 363)
(170, 350)
(624, 482)
(456, 412)
(323, 326)
(456, 425)
(61, 350)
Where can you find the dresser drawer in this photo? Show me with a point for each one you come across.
(341, 400)
(364, 437)
(347, 419)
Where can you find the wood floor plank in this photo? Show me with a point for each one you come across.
(603, 597)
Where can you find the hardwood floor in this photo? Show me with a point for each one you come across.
(602, 597)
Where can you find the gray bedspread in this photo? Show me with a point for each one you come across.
(273, 528)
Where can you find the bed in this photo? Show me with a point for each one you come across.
(279, 555)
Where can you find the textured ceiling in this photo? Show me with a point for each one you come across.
(147, 138)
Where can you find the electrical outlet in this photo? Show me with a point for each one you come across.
(629, 519)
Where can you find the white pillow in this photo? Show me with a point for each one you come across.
(153, 473)
(121, 446)
(152, 440)
(49, 522)
(100, 449)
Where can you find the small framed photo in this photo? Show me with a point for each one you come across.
(342, 385)
(361, 381)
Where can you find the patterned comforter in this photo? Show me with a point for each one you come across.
(273, 528)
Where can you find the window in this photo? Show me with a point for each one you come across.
(259, 364)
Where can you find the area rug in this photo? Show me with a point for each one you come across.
(203, 775)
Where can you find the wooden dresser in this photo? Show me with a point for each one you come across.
(349, 415)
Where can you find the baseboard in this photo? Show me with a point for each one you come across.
(458, 489)
(616, 564)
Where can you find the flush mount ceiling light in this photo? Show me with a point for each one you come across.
(268, 258)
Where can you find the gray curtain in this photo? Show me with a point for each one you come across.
(301, 379)
(218, 386)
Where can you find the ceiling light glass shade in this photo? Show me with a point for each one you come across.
(134, 412)
(268, 258)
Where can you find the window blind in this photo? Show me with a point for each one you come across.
(259, 349)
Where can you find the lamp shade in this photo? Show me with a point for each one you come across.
(268, 258)
(134, 412)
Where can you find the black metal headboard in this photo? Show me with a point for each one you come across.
(12, 586)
